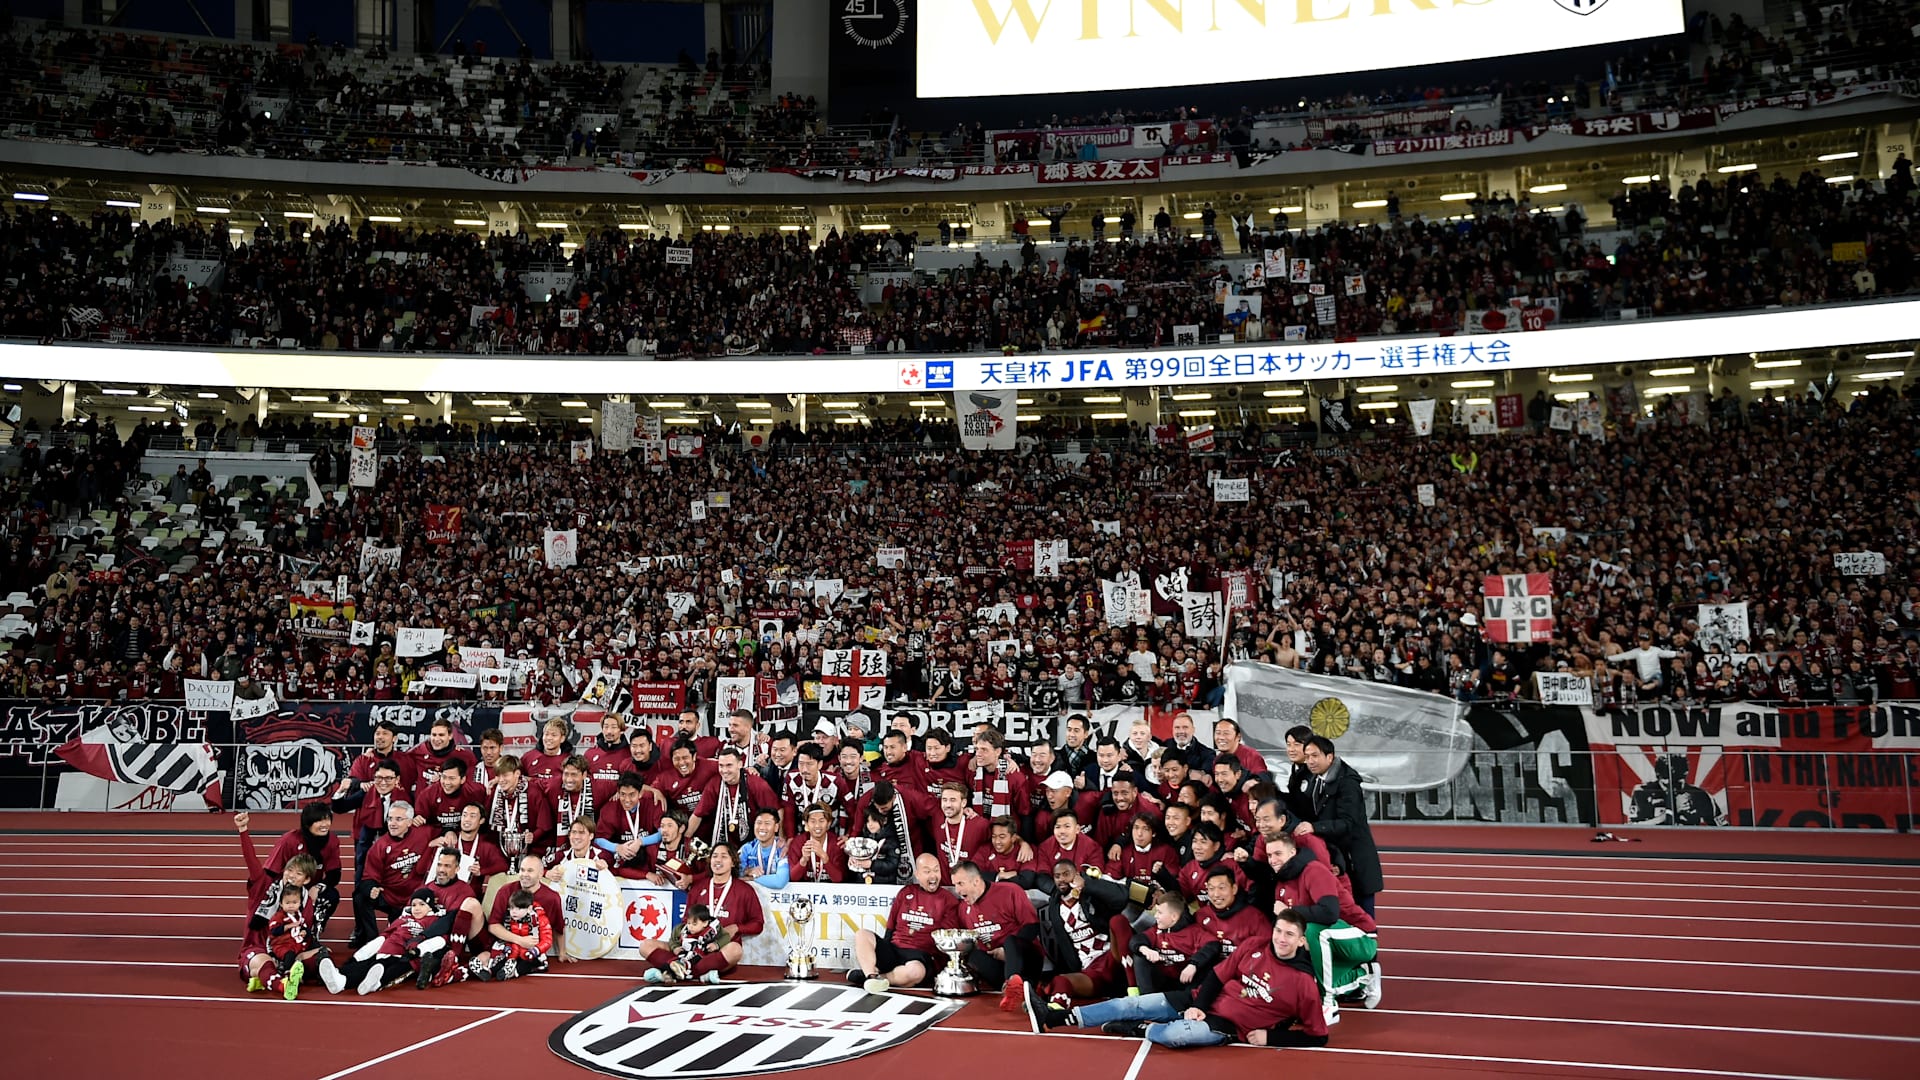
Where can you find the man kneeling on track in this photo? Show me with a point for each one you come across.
(390, 960)
(906, 955)
(1341, 937)
(1262, 995)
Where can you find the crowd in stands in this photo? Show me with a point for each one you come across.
(1718, 245)
(472, 109)
(1354, 578)
(324, 103)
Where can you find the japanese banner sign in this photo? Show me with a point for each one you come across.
(853, 679)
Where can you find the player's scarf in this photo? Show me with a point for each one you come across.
(997, 799)
(509, 819)
(569, 811)
(807, 796)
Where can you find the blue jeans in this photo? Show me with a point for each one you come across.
(1166, 1027)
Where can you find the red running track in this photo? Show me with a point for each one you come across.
(1508, 951)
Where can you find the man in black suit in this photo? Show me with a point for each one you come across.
(1340, 817)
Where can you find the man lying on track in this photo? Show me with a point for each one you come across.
(1261, 995)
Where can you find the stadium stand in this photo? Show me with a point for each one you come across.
(1672, 515)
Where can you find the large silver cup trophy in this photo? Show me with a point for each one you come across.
(954, 980)
(863, 849)
(799, 946)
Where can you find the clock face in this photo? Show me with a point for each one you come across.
(1329, 718)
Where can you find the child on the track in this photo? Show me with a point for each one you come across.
(290, 940)
(266, 893)
(511, 959)
(389, 960)
(692, 941)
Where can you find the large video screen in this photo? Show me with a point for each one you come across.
(973, 48)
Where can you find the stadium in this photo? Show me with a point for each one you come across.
(1128, 538)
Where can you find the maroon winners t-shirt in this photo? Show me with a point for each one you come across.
(1002, 910)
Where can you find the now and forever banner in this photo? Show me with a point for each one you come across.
(1848, 767)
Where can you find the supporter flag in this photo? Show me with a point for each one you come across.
(1518, 607)
(363, 461)
(1200, 439)
(891, 558)
(1397, 738)
(443, 523)
(1048, 557)
(1421, 411)
(1510, 410)
(1094, 323)
(988, 420)
(1724, 625)
(1202, 614)
(360, 633)
(1110, 528)
(1424, 493)
(116, 752)
(1480, 420)
(1117, 600)
(686, 446)
(697, 510)
(1017, 555)
(582, 451)
(753, 438)
(1623, 400)
(561, 548)
(616, 425)
(1356, 284)
(1561, 419)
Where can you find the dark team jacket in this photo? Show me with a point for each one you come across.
(1103, 898)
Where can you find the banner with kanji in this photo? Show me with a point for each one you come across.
(363, 459)
(1518, 607)
(1200, 439)
(1049, 556)
(443, 523)
(1846, 767)
(853, 679)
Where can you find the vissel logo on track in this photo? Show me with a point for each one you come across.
(740, 1030)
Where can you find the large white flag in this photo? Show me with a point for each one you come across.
(562, 548)
(1397, 738)
(1421, 411)
(616, 425)
(987, 419)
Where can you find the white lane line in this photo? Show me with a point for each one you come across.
(1394, 929)
(313, 1002)
(340, 942)
(1400, 928)
(1477, 879)
(1790, 1032)
(423, 1043)
(1614, 1068)
(230, 967)
(1668, 867)
(1622, 988)
(234, 896)
(1139, 1059)
(1690, 916)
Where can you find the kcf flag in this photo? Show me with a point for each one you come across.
(1519, 607)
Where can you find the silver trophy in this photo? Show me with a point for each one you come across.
(799, 949)
(955, 980)
(863, 847)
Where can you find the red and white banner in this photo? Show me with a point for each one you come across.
(1848, 767)
(1518, 607)
(1078, 172)
(443, 523)
(1428, 144)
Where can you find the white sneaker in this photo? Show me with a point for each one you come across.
(1330, 1011)
(372, 981)
(877, 985)
(1374, 978)
(711, 978)
(331, 976)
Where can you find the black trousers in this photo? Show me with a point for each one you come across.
(367, 908)
(1023, 959)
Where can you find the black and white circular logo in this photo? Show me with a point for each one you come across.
(875, 23)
